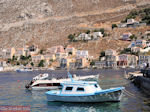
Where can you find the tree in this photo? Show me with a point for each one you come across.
(22, 57)
(102, 54)
(92, 63)
(41, 51)
(114, 26)
(18, 63)
(14, 58)
(88, 31)
(8, 60)
(41, 64)
(71, 37)
(32, 64)
(133, 37)
(70, 53)
(102, 30)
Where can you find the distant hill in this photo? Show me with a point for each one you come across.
(49, 22)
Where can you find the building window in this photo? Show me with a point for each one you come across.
(69, 88)
(80, 89)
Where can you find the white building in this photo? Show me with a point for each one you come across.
(110, 52)
(126, 36)
(82, 54)
(144, 59)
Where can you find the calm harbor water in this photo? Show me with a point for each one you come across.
(12, 92)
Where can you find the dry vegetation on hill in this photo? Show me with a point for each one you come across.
(49, 22)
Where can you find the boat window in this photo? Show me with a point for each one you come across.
(80, 89)
(56, 84)
(69, 88)
(96, 85)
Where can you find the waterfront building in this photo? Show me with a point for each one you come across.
(65, 62)
(144, 59)
(37, 58)
(81, 63)
(3, 63)
(127, 60)
(111, 61)
(100, 64)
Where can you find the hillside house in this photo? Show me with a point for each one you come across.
(70, 50)
(110, 52)
(20, 51)
(140, 43)
(55, 49)
(126, 36)
(132, 23)
(60, 55)
(82, 54)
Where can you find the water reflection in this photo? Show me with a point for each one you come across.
(84, 107)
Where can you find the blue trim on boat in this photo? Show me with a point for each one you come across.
(96, 93)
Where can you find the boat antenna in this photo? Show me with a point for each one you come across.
(69, 75)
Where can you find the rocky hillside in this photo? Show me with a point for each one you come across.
(48, 22)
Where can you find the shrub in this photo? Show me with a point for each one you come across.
(114, 26)
(88, 31)
(71, 37)
(41, 64)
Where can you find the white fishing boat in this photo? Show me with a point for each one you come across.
(84, 91)
(51, 69)
(41, 76)
(42, 82)
(24, 70)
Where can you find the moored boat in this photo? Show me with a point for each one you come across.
(24, 70)
(42, 82)
(84, 91)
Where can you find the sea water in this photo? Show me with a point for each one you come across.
(13, 93)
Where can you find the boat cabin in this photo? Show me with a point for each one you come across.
(80, 87)
(45, 83)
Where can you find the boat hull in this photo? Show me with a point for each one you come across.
(46, 88)
(114, 96)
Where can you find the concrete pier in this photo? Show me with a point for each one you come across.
(143, 83)
(141, 79)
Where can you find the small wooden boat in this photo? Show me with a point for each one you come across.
(84, 91)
